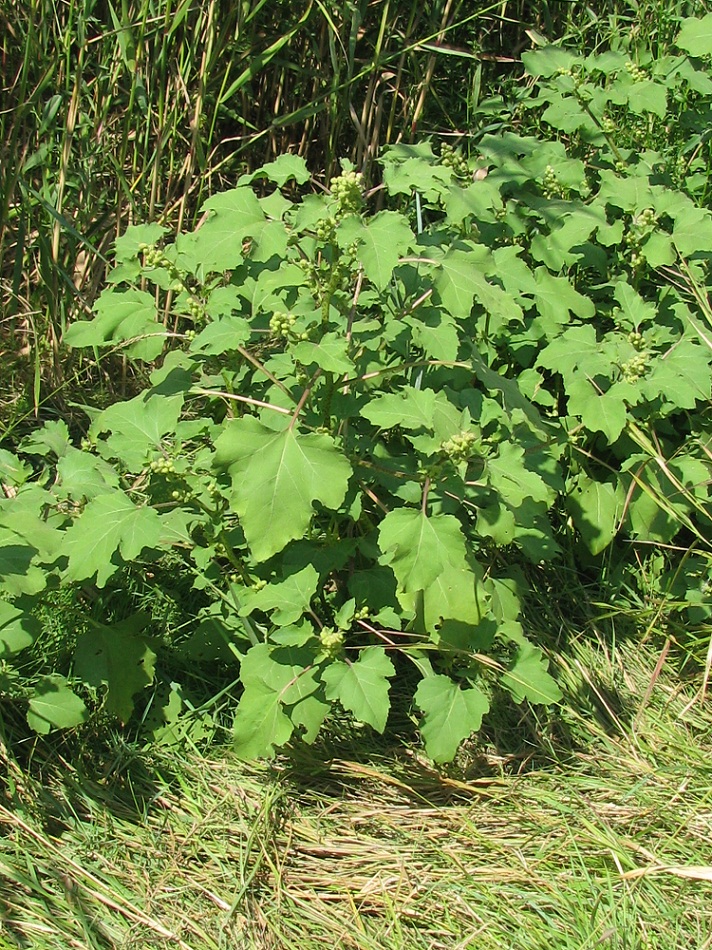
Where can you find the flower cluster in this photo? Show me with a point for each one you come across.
(636, 73)
(551, 186)
(453, 159)
(162, 466)
(635, 367)
(458, 447)
(332, 642)
(347, 188)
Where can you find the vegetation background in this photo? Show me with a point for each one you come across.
(589, 829)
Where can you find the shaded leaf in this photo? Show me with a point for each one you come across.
(450, 715)
(54, 706)
(528, 677)
(362, 687)
(120, 659)
(18, 629)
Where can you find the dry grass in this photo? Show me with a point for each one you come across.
(606, 845)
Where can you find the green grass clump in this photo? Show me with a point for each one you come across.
(599, 841)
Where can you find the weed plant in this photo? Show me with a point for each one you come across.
(581, 824)
(373, 425)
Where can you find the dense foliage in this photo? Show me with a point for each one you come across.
(371, 408)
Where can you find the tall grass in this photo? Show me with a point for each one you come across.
(118, 111)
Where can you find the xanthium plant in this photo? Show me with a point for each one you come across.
(378, 422)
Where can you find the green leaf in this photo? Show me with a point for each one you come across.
(54, 706)
(128, 245)
(605, 412)
(450, 715)
(18, 573)
(636, 310)
(276, 477)
(109, 524)
(285, 168)
(122, 317)
(53, 438)
(596, 508)
(12, 471)
(663, 497)
(310, 713)
(528, 677)
(556, 298)
(289, 599)
(272, 678)
(29, 543)
(330, 353)
(549, 60)
(456, 594)
(260, 724)
(137, 427)
(418, 549)
(221, 336)
(567, 115)
(81, 475)
(413, 174)
(576, 347)
(692, 232)
(628, 193)
(461, 279)
(217, 246)
(509, 475)
(435, 332)
(409, 408)
(481, 199)
(648, 96)
(362, 687)
(682, 376)
(695, 37)
(381, 243)
(17, 629)
(118, 658)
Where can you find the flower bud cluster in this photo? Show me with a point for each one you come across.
(196, 309)
(453, 159)
(347, 188)
(332, 642)
(181, 494)
(575, 74)
(154, 257)
(635, 367)
(636, 339)
(326, 230)
(636, 73)
(162, 466)
(458, 447)
(281, 324)
(645, 221)
(551, 186)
